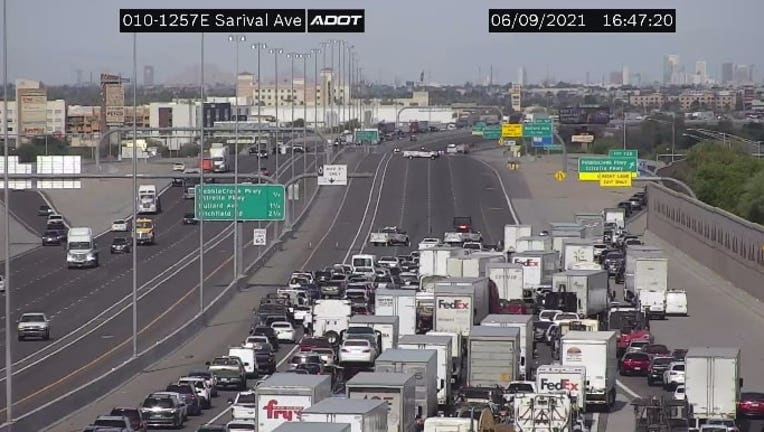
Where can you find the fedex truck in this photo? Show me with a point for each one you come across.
(557, 378)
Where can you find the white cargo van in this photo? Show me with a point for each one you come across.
(676, 302)
(247, 356)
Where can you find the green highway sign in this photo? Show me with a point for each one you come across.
(539, 128)
(552, 147)
(492, 132)
(260, 202)
(598, 165)
(633, 154)
(366, 135)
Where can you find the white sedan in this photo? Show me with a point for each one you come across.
(120, 225)
(284, 331)
(357, 351)
(179, 166)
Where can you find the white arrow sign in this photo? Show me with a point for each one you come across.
(259, 238)
(333, 175)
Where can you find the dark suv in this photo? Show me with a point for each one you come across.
(658, 365)
(53, 237)
(162, 411)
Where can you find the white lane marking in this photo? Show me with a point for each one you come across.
(376, 208)
(451, 186)
(625, 388)
(503, 189)
(595, 423)
(366, 210)
(429, 200)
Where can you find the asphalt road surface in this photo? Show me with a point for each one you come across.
(89, 308)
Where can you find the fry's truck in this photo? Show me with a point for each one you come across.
(533, 243)
(424, 365)
(557, 378)
(282, 397)
(589, 286)
(593, 223)
(458, 308)
(387, 326)
(512, 233)
(302, 426)
(712, 383)
(508, 278)
(595, 351)
(494, 354)
(538, 267)
(362, 415)
(400, 303)
(397, 389)
(442, 345)
(524, 323)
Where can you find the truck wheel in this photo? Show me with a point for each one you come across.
(411, 157)
(333, 337)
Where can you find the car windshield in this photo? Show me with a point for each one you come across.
(158, 402)
(120, 241)
(110, 423)
(248, 398)
(637, 356)
(227, 361)
(520, 388)
(118, 222)
(662, 361)
(279, 325)
(679, 367)
(32, 318)
(51, 233)
(305, 359)
(143, 224)
(79, 245)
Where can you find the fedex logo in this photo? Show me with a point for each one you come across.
(557, 385)
(528, 262)
(456, 304)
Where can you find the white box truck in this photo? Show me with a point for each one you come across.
(651, 273)
(424, 365)
(590, 286)
(555, 411)
(593, 223)
(533, 243)
(330, 318)
(616, 216)
(282, 397)
(475, 264)
(712, 382)
(397, 389)
(576, 251)
(386, 325)
(596, 352)
(434, 261)
(557, 378)
(362, 415)
(457, 349)
(460, 304)
(301, 426)
(558, 241)
(512, 233)
(400, 303)
(494, 354)
(455, 266)
(524, 323)
(538, 267)
(441, 344)
(508, 278)
(148, 200)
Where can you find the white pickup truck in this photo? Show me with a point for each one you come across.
(459, 238)
(421, 153)
(388, 236)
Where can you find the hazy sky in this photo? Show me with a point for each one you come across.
(50, 39)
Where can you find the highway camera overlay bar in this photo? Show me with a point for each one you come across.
(582, 20)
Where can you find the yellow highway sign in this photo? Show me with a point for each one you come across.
(511, 130)
(615, 179)
(596, 176)
(559, 176)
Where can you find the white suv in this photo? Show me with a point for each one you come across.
(674, 375)
(202, 389)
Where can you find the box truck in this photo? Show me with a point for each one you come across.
(441, 344)
(457, 349)
(434, 261)
(301, 426)
(455, 266)
(576, 251)
(712, 383)
(533, 243)
(282, 397)
(362, 415)
(424, 365)
(400, 303)
(591, 288)
(330, 318)
(596, 352)
(593, 223)
(543, 412)
(512, 233)
(538, 267)
(524, 323)
(508, 278)
(476, 263)
(494, 354)
(557, 378)
(616, 216)
(387, 326)
(397, 389)
(460, 304)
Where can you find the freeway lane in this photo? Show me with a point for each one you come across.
(91, 347)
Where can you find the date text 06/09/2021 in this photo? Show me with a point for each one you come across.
(582, 20)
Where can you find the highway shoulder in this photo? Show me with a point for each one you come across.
(22, 239)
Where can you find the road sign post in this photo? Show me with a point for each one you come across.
(632, 154)
(492, 132)
(589, 169)
(511, 130)
(261, 202)
(259, 237)
(333, 175)
(539, 128)
(621, 179)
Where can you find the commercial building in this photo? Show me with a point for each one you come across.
(701, 73)
(700, 100)
(671, 66)
(178, 114)
(648, 101)
(301, 91)
(728, 73)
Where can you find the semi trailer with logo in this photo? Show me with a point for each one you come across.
(459, 307)
(397, 389)
(282, 397)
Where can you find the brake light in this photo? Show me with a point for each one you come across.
(462, 226)
(366, 351)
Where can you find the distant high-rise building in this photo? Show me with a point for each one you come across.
(522, 76)
(148, 75)
(728, 72)
(744, 74)
(670, 68)
(616, 78)
(701, 73)
(625, 75)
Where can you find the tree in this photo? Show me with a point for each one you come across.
(751, 202)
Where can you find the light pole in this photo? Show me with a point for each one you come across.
(314, 53)
(305, 58)
(258, 47)
(673, 132)
(237, 249)
(324, 94)
(349, 84)
(333, 85)
(292, 56)
(199, 201)
(7, 226)
(276, 52)
(135, 202)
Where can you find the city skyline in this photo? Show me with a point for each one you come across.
(387, 53)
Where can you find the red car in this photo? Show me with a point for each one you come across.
(751, 404)
(635, 363)
(656, 350)
(133, 414)
(265, 172)
(307, 344)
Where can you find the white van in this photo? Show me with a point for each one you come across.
(247, 356)
(676, 302)
(363, 263)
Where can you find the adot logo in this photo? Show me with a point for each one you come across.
(336, 20)
(554, 385)
(455, 304)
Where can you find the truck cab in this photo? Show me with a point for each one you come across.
(145, 231)
(148, 200)
(363, 263)
(81, 249)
